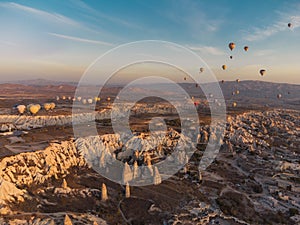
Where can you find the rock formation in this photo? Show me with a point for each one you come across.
(67, 220)
(104, 195)
(127, 191)
(136, 171)
(9, 192)
(127, 173)
(64, 184)
(156, 176)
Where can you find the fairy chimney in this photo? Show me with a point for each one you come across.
(67, 220)
(64, 184)
(104, 196)
(156, 176)
(127, 173)
(149, 166)
(186, 166)
(127, 191)
(136, 170)
(200, 176)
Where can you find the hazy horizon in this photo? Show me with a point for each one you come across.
(54, 82)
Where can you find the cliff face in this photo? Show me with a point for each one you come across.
(15, 122)
(36, 167)
(9, 192)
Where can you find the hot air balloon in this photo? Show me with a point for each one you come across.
(246, 48)
(262, 72)
(201, 70)
(231, 46)
(234, 104)
(21, 108)
(47, 106)
(52, 105)
(34, 108)
(224, 67)
(289, 25)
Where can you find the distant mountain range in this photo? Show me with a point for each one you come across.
(40, 82)
(250, 92)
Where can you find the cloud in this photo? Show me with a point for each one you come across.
(265, 52)
(192, 16)
(260, 33)
(295, 20)
(72, 38)
(97, 14)
(207, 50)
(55, 17)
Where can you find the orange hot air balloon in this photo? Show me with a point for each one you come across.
(224, 67)
(231, 46)
(262, 72)
(34, 108)
(47, 106)
(52, 105)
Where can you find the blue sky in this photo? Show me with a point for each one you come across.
(59, 39)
